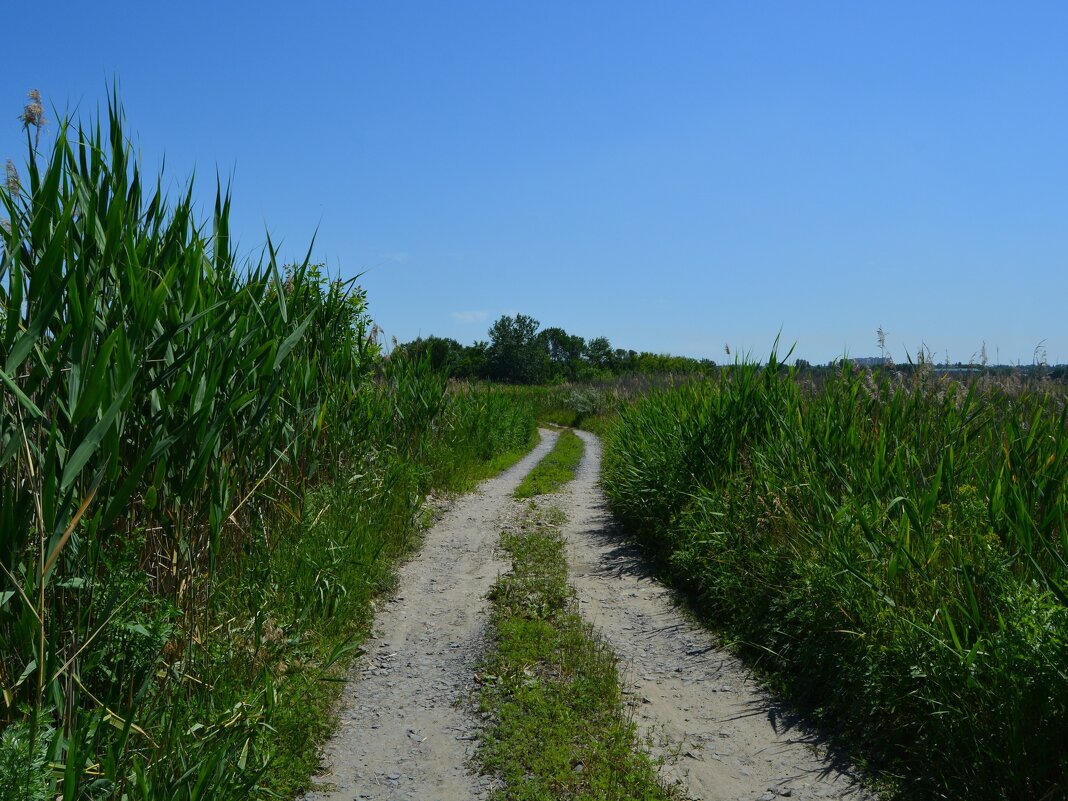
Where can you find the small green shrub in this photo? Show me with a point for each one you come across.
(25, 774)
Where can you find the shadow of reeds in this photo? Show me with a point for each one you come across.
(621, 556)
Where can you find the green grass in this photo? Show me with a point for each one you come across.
(555, 469)
(892, 550)
(479, 471)
(507, 459)
(305, 624)
(563, 417)
(550, 686)
(295, 605)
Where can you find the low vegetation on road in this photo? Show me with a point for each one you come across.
(555, 470)
(550, 687)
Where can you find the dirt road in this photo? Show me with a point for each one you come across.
(405, 735)
(724, 738)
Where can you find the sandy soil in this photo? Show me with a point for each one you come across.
(405, 733)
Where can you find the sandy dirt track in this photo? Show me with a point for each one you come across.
(722, 737)
(404, 733)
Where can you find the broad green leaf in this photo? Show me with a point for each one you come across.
(92, 441)
(291, 341)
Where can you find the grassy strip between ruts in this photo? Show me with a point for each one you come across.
(556, 469)
(550, 686)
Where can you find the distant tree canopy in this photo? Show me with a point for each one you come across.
(516, 354)
(519, 351)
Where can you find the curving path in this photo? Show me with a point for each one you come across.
(404, 733)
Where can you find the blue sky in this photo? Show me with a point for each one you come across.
(675, 176)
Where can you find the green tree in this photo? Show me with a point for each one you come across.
(624, 361)
(475, 361)
(446, 355)
(516, 354)
(565, 352)
(599, 353)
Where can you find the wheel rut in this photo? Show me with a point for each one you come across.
(404, 734)
(720, 735)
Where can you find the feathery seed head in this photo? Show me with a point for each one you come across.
(13, 182)
(33, 113)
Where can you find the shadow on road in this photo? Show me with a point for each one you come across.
(621, 556)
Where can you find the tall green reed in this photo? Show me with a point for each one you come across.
(165, 408)
(892, 549)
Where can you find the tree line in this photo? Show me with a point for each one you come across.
(519, 351)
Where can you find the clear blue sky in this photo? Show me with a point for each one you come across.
(675, 176)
